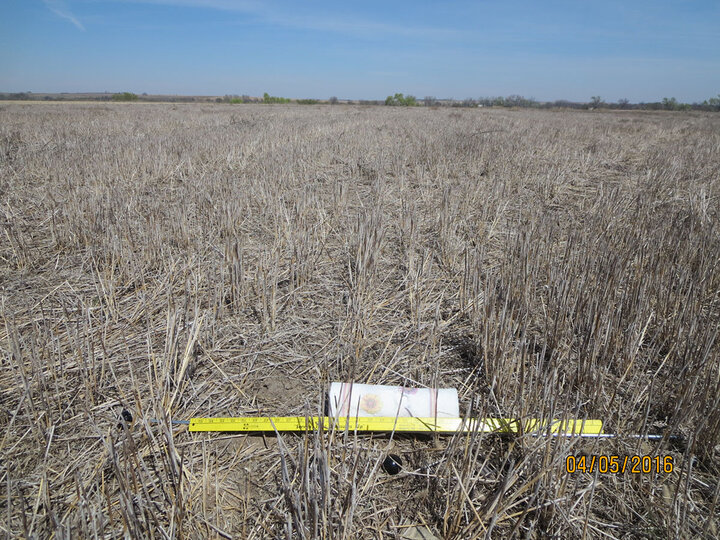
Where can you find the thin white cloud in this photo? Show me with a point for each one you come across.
(361, 28)
(59, 8)
(280, 17)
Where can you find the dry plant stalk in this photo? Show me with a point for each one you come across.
(198, 261)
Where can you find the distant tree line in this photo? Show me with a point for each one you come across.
(596, 102)
(267, 98)
(236, 99)
(17, 96)
(398, 99)
(122, 96)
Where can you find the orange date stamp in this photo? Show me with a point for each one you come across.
(614, 464)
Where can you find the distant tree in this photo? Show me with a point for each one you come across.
(513, 100)
(652, 106)
(431, 101)
(395, 100)
(517, 101)
(125, 96)
(401, 100)
(333, 100)
(670, 104)
(267, 98)
(712, 103)
(596, 102)
(623, 103)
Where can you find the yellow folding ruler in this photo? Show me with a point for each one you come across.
(398, 425)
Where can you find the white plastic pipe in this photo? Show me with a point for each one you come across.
(352, 399)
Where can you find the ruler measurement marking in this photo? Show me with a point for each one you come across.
(399, 425)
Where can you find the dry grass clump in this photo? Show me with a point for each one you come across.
(195, 260)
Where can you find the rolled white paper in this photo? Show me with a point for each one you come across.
(351, 399)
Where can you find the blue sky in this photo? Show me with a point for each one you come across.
(639, 50)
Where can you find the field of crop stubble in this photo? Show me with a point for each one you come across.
(213, 260)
